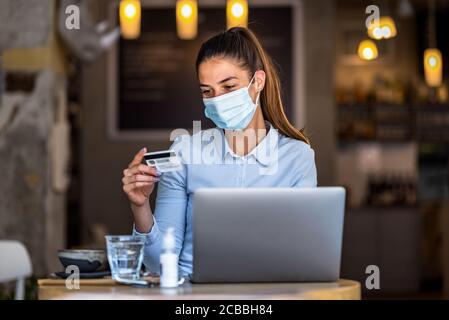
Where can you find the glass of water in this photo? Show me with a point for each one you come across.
(125, 256)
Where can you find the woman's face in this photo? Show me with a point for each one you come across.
(218, 76)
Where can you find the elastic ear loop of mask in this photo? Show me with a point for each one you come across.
(258, 94)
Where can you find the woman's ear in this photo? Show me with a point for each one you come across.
(259, 81)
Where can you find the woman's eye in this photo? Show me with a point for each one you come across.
(229, 87)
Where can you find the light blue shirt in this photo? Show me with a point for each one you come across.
(209, 162)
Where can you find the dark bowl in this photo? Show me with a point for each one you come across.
(85, 260)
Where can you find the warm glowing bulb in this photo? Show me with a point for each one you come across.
(432, 61)
(367, 50)
(237, 13)
(389, 27)
(433, 67)
(237, 10)
(186, 19)
(130, 14)
(368, 53)
(384, 28)
(130, 10)
(186, 11)
(386, 32)
(377, 32)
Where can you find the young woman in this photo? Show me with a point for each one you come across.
(242, 94)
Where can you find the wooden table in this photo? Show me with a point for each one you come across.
(107, 289)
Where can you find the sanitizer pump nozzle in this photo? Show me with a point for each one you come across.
(169, 260)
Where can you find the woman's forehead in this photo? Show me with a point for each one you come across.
(216, 69)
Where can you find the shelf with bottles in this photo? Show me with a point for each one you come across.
(399, 90)
(391, 189)
(432, 123)
(375, 122)
(393, 123)
(392, 109)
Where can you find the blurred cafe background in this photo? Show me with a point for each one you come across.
(79, 97)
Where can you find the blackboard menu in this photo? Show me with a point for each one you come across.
(158, 86)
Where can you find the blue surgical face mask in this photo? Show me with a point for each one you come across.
(233, 110)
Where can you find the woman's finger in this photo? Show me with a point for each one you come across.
(144, 178)
(139, 178)
(134, 185)
(137, 169)
(141, 168)
(154, 171)
(138, 157)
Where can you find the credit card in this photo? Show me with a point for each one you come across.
(164, 161)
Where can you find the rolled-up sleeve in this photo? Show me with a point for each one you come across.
(170, 211)
(151, 236)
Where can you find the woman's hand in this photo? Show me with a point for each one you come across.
(138, 180)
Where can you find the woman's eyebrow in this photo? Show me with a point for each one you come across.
(227, 79)
(219, 82)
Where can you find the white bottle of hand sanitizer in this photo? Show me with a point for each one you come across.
(169, 260)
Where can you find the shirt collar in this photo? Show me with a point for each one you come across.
(265, 152)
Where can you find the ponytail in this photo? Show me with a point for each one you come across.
(242, 44)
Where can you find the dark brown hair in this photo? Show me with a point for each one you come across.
(242, 45)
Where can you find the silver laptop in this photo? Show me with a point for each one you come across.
(267, 234)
